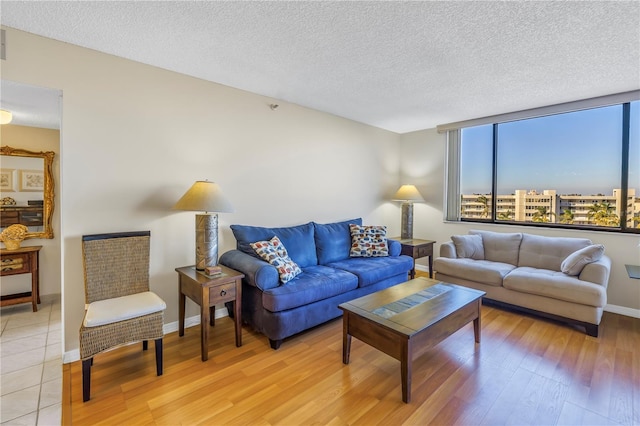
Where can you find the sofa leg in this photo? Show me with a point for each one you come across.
(275, 344)
(592, 329)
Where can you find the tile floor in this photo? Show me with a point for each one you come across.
(31, 363)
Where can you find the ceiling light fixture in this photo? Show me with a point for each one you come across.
(5, 117)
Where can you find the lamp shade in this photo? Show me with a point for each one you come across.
(408, 193)
(5, 117)
(204, 196)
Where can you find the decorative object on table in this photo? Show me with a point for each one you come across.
(408, 194)
(213, 270)
(13, 235)
(7, 201)
(5, 116)
(206, 197)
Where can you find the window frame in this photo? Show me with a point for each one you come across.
(453, 204)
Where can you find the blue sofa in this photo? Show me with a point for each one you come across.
(329, 276)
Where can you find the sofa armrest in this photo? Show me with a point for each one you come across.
(257, 273)
(395, 248)
(448, 249)
(597, 272)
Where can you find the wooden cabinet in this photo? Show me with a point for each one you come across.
(25, 260)
(417, 248)
(209, 291)
(24, 215)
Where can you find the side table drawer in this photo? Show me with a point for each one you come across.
(222, 293)
(425, 251)
(15, 264)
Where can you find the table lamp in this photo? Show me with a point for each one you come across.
(206, 197)
(408, 194)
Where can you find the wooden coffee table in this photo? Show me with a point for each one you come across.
(406, 320)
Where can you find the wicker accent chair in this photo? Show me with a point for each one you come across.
(120, 309)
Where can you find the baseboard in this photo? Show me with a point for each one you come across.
(74, 355)
(623, 310)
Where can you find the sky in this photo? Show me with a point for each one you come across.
(573, 153)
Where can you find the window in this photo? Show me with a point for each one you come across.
(579, 168)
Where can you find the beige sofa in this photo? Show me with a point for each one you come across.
(561, 278)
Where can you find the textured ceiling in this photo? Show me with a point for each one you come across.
(401, 66)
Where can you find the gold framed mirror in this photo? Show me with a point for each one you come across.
(27, 190)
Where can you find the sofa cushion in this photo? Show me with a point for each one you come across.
(482, 271)
(371, 270)
(576, 261)
(298, 240)
(556, 285)
(314, 284)
(274, 252)
(542, 252)
(469, 246)
(333, 240)
(500, 247)
(368, 241)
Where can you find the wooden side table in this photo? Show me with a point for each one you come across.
(25, 260)
(417, 248)
(207, 291)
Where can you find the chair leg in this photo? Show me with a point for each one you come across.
(145, 345)
(158, 345)
(86, 379)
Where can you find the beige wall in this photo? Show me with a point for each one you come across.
(134, 138)
(424, 151)
(36, 139)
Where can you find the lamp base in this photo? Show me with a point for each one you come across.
(206, 240)
(406, 229)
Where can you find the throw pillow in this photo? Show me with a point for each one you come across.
(368, 241)
(576, 261)
(468, 246)
(274, 252)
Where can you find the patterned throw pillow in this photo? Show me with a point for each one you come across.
(368, 241)
(273, 251)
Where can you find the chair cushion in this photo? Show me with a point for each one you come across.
(274, 252)
(556, 285)
(333, 240)
(482, 271)
(299, 241)
(108, 311)
(371, 270)
(576, 261)
(469, 246)
(537, 251)
(314, 284)
(499, 246)
(368, 241)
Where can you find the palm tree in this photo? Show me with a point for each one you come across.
(508, 215)
(542, 215)
(567, 216)
(603, 214)
(484, 201)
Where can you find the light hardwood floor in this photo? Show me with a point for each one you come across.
(526, 371)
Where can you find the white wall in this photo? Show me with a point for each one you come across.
(134, 138)
(423, 154)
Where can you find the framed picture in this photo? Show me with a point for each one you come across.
(31, 180)
(7, 180)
